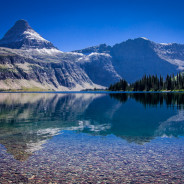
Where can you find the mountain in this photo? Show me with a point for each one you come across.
(99, 68)
(97, 63)
(171, 52)
(21, 35)
(136, 57)
(29, 62)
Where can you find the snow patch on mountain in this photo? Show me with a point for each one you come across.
(166, 43)
(172, 53)
(93, 56)
(31, 34)
(144, 38)
(34, 52)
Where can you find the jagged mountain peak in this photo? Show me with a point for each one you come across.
(22, 36)
(21, 25)
(139, 39)
(102, 48)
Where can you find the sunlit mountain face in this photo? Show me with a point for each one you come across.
(29, 121)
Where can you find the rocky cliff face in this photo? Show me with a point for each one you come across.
(19, 72)
(171, 52)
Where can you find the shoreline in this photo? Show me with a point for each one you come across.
(101, 92)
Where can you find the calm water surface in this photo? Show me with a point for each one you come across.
(91, 138)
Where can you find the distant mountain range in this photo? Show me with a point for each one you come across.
(136, 57)
(30, 62)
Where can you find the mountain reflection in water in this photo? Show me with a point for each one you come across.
(27, 121)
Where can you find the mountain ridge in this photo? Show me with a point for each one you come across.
(134, 58)
(29, 61)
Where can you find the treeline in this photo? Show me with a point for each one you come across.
(151, 83)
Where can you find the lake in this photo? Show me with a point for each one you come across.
(91, 138)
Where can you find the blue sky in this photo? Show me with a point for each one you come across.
(76, 24)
